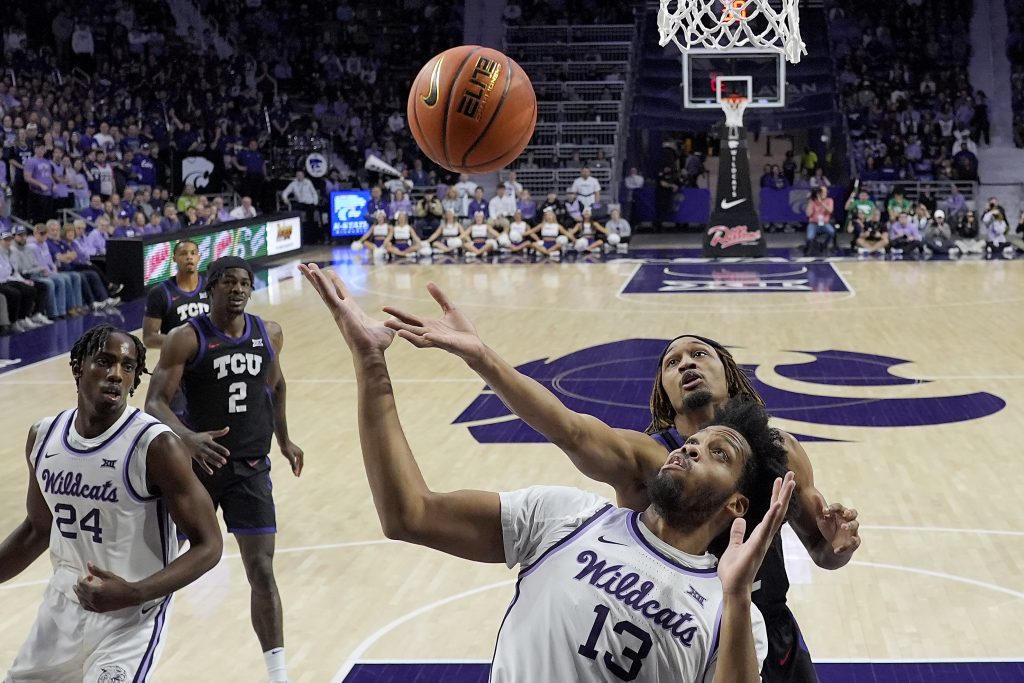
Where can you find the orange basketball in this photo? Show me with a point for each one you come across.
(472, 109)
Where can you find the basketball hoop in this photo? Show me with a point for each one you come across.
(734, 106)
(725, 24)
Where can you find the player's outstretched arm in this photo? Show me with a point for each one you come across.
(169, 474)
(32, 537)
(462, 523)
(278, 391)
(619, 457)
(179, 347)
(830, 533)
(738, 659)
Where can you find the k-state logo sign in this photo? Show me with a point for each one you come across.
(704, 278)
(613, 382)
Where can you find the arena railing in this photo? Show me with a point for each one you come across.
(580, 133)
(574, 112)
(568, 34)
(573, 71)
(554, 154)
(626, 102)
(940, 190)
(588, 91)
(608, 52)
(543, 180)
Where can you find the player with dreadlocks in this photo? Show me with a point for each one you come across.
(108, 486)
(695, 376)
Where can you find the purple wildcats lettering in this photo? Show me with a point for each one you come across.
(63, 483)
(619, 585)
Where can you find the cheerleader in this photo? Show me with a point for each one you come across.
(448, 236)
(479, 238)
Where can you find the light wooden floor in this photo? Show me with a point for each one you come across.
(940, 574)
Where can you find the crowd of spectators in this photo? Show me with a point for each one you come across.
(342, 69)
(916, 228)
(902, 73)
(1015, 51)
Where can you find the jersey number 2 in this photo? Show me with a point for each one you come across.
(236, 400)
(67, 515)
(635, 657)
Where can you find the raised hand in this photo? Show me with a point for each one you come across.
(103, 591)
(362, 333)
(839, 526)
(452, 332)
(741, 560)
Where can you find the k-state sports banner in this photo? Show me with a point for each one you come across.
(202, 169)
(734, 228)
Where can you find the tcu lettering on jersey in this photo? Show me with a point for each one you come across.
(238, 364)
(192, 309)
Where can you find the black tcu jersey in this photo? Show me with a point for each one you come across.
(173, 306)
(225, 385)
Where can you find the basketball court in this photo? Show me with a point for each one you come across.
(901, 378)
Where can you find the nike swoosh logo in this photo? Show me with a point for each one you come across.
(147, 610)
(605, 540)
(735, 202)
(435, 77)
(50, 455)
(785, 660)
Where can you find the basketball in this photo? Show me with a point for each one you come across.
(472, 109)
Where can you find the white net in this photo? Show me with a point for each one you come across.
(734, 107)
(725, 24)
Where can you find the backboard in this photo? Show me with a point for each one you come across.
(709, 75)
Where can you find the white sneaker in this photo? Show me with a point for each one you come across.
(97, 306)
(112, 301)
(41, 319)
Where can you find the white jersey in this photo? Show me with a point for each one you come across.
(586, 189)
(478, 232)
(402, 233)
(588, 229)
(519, 226)
(381, 230)
(601, 599)
(549, 230)
(450, 230)
(103, 511)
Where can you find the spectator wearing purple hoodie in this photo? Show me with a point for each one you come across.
(905, 235)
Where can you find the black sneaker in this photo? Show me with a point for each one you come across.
(115, 288)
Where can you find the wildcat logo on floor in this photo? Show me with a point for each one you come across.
(613, 382)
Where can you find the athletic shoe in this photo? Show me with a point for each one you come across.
(115, 288)
(112, 301)
(41, 319)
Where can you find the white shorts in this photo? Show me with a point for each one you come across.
(68, 644)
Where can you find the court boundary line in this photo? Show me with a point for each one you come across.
(940, 660)
(371, 640)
